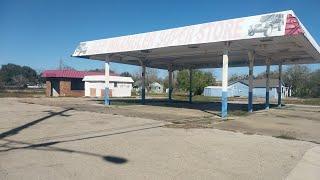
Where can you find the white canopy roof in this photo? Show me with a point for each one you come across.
(280, 36)
(101, 78)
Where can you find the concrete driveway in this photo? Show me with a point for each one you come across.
(45, 142)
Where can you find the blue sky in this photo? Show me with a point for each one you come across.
(38, 33)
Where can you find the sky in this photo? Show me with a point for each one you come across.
(38, 33)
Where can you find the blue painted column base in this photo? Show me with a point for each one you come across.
(224, 104)
(143, 96)
(267, 100)
(250, 106)
(106, 97)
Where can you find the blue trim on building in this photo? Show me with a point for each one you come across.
(267, 100)
(106, 97)
(224, 104)
(250, 106)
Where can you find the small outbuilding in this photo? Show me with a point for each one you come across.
(214, 91)
(119, 86)
(241, 88)
(65, 82)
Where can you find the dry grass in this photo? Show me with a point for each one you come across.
(22, 93)
(290, 135)
(189, 124)
(307, 101)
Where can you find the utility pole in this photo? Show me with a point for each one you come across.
(61, 64)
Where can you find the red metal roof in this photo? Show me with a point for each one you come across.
(69, 73)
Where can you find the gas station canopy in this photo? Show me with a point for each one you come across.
(279, 36)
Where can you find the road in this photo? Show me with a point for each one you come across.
(45, 142)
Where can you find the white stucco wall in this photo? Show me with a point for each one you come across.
(122, 89)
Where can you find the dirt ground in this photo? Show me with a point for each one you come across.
(300, 122)
(290, 122)
(53, 142)
(157, 109)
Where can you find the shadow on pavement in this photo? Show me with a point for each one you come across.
(114, 159)
(48, 146)
(16, 130)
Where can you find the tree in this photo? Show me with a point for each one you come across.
(67, 67)
(272, 75)
(101, 70)
(237, 77)
(96, 70)
(15, 75)
(166, 82)
(29, 74)
(64, 66)
(19, 80)
(152, 76)
(136, 78)
(1, 84)
(183, 80)
(298, 78)
(126, 74)
(315, 83)
(200, 79)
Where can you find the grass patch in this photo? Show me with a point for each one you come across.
(239, 113)
(286, 136)
(124, 103)
(22, 93)
(306, 101)
(201, 98)
(197, 98)
(157, 94)
(205, 122)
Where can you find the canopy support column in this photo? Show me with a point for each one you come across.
(143, 82)
(170, 82)
(280, 85)
(267, 83)
(224, 96)
(106, 84)
(250, 95)
(190, 85)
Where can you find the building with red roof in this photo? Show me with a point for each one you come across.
(66, 82)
